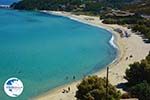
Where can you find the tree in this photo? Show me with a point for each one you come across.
(138, 72)
(142, 91)
(138, 76)
(94, 88)
(134, 74)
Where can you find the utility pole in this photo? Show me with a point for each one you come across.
(107, 83)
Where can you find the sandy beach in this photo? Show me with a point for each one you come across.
(132, 45)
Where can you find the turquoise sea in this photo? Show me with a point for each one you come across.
(42, 50)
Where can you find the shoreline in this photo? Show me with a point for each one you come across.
(116, 71)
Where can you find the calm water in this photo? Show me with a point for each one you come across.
(42, 50)
(7, 2)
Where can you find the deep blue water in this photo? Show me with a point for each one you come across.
(7, 2)
(42, 50)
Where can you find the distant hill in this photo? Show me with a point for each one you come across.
(48, 4)
(137, 6)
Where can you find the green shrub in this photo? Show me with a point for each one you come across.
(142, 91)
(138, 76)
(138, 72)
(94, 88)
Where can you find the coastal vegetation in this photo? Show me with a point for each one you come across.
(138, 77)
(143, 27)
(141, 6)
(94, 88)
(93, 6)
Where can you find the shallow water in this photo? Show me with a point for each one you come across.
(42, 50)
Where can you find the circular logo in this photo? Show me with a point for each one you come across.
(13, 87)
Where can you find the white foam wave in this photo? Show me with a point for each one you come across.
(112, 42)
(4, 6)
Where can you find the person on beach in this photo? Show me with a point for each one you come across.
(68, 88)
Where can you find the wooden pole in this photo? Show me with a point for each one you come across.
(107, 83)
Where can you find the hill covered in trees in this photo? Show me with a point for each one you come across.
(136, 6)
(69, 5)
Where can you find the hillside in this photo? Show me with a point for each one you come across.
(138, 6)
(142, 7)
(70, 4)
